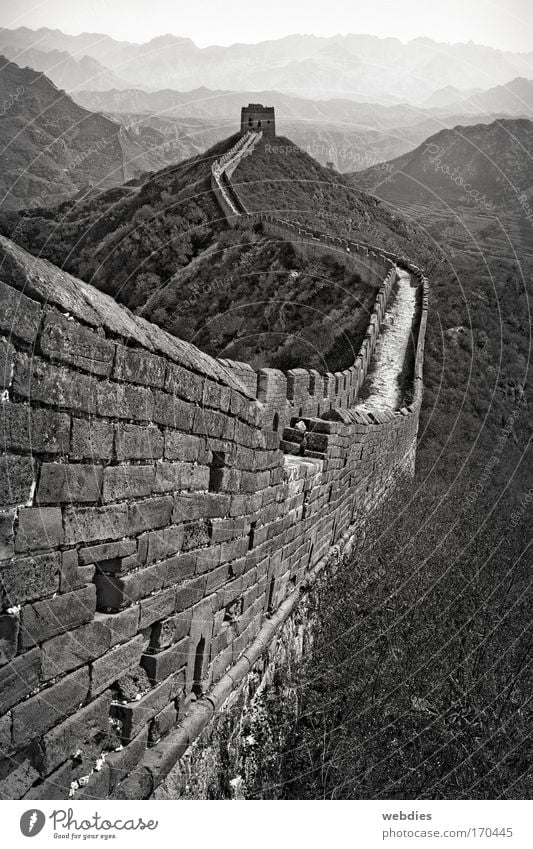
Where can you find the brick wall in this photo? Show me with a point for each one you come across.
(154, 536)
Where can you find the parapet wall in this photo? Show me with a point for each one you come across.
(154, 536)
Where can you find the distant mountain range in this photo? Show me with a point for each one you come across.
(356, 67)
(64, 70)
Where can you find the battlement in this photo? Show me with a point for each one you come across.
(257, 117)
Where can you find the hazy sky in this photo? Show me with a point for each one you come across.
(507, 24)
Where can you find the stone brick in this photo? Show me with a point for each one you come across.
(200, 478)
(69, 651)
(19, 315)
(97, 785)
(6, 746)
(38, 528)
(18, 678)
(127, 482)
(116, 591)
(158, 545)
(9, 631)
(44, 619)
(7, 356)
(107, 551)
(55, 786)
(185, 447)
(157, 606)
(217, 578)
(70, 342)
(190, 593)
(121, 763)
(27, 578)
(172, 412)
(149, 514)
(88, 524)
(159, 666)
(124, 401)
(71, 576)
(171, 477)
(184, 383)
(115, 663)
(91, 439)
(53, 385)
(138, 443)
(63, 740)
(38, 430)
(7, 537)
(72, 483)
(17, 476)
(134, 366)
(195, 535)
(120, 626)
(138, 714)
(170, 630)
(16, 776)
(180, 568)
(50, 706)
(162, 723)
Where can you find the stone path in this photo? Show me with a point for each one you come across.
(381, 387)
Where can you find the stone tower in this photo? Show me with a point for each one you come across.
(255, 116)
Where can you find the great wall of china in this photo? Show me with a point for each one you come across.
(163, 513)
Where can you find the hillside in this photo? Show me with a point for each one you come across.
(475, 183)
(64, 70)
(515, 98)
(52, 148)
(164, 249)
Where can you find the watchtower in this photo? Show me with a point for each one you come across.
(257, 117)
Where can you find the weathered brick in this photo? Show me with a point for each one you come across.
(195, 535)
(18, 678)
(7, 357)
(7, 536)
(54, 786)
(148, 514)
(134, 442)
(162, 723)
(225, 529)
(37, 430)
(121, 763)
(97, 785)
(115, 663)
(138, 714)
(124, 401)
(54, 385)
(213, 424)
(190, 593)
(217, 578)
(156, 545)
(73, 483)
(88, 524)
(116, 591)
(208, 559)
(120, 626)
(184, 383)
(28, 578)
(170, 630)
(91, 439)
(200, 478)
(107, 551)
(16, 776)
(38, 528)
(17, 476)
(179, 568)
(157, 606)
(139, 367)
(19, 315)
(52, 705)
(127, 482)
(71, 576)
(63, 740)
(9, 631)
(44, 619)
(68, 651)
(205, 506)
(70, 342)
(6, 745)
(172, 412)
(173, 476)
(185, 447)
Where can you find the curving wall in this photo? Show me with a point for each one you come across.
(158, 526)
